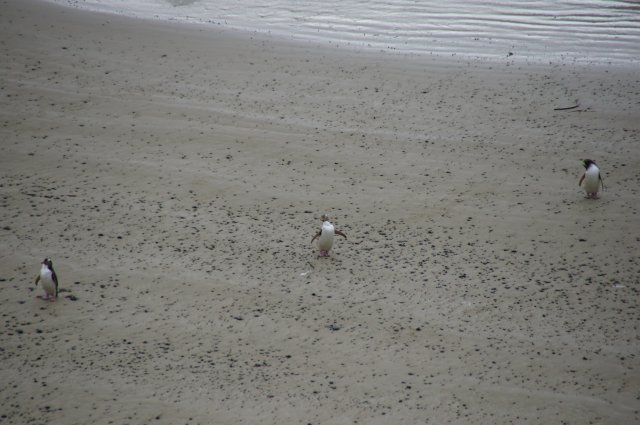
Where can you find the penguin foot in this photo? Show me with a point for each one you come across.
(324, 254)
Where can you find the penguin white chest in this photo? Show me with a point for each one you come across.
(325, 241)
(592, 179)
(46, 280)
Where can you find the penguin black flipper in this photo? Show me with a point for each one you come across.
(338, 232)
(55, 280)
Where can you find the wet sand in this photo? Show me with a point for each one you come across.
(176, 176)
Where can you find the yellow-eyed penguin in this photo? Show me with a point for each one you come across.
(325, 236)
(592, 179)
(48, 280)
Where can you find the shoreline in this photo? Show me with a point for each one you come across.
(176, 175)
(503, 44)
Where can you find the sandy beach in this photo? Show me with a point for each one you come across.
(176, 174)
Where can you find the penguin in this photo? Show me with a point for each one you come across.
(592, 179)
(325, 236)
(48, 280)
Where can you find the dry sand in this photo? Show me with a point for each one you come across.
(177, 174)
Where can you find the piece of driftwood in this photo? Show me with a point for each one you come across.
(567, 107)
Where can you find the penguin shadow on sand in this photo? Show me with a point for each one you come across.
(326, 237)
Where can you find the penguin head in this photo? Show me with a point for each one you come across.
(47, 262)
(587, 163)
(324, 218)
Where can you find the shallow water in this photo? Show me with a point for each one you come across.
(536, 30)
